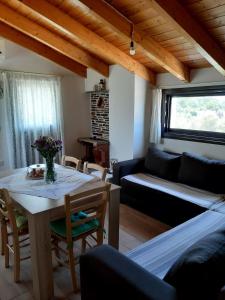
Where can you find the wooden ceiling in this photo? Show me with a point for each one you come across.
(170, 36)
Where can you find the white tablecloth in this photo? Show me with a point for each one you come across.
(67, 181)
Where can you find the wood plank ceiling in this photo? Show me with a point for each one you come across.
(170, 36)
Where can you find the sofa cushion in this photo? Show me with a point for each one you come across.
(183, 192)
(199, 273)
(203, 173)
(157, 204)
(162, 164)
(160, 253)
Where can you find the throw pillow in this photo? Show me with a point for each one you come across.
(203, 173)
(199, 273)
(162, 164)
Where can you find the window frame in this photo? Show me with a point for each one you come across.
(185, 134)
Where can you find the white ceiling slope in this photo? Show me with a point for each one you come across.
(17, 58)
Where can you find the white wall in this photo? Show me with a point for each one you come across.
(142, 100)
(76, 113)
(129, 114)
(208, 150)
(200, 77)
(121, 113)
(18, 58)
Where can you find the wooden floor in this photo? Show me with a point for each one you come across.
(135, 228)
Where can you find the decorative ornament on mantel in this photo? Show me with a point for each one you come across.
(100, 102)
(101, 86)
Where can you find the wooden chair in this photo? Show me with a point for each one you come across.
(71, 160)
(13, 224)
(3, 222)
(85, 215)
(89, 167)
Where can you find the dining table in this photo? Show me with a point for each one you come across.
(43, 203)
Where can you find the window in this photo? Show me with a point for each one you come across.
(37, 108)
(32, 106)
(196, 114)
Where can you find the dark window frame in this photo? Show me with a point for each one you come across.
(184, 134)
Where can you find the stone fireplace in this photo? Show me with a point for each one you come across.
(99, 108)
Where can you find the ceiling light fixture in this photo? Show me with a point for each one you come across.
(132, 45)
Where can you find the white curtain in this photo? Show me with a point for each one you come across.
(155, 126)
(33, 108)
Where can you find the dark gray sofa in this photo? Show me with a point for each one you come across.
(164, 206)
(107, 274)
(140, 273)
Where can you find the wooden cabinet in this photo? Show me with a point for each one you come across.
(95, 151)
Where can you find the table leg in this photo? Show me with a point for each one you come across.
(114, 218)
(41, 257)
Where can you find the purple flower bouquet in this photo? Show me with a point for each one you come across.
(48, 148)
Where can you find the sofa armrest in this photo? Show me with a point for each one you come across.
(127, 167)
(107, 274)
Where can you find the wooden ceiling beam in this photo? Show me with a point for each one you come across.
(89, 39)
(110, 17)
(25, 41)
(50, 39)
(190, 28)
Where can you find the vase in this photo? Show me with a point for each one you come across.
(50, 174)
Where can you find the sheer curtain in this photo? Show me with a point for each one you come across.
(33, 108)
(155, 129)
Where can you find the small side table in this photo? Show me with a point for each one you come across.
(96, 150)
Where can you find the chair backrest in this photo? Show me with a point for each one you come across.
(71, 160)
(91, 166)
(7, 211)
(92, 203)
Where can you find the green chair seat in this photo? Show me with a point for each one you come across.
(21, 220)
(59, 226)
